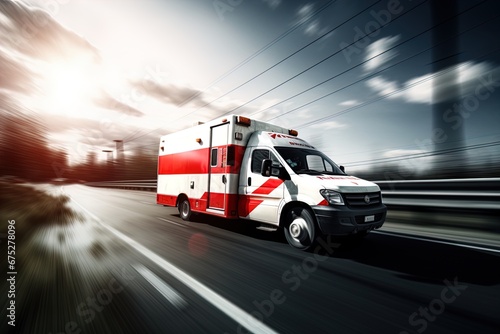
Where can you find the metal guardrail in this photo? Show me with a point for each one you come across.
(480, 193)
(470, 184)
(149, 185)
(476, 193)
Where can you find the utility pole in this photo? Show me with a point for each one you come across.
(109, 163)
(120, 160)
(446, 89)
(119, 150)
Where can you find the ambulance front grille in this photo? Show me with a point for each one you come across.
(362, 200)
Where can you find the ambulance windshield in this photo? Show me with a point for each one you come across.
(307, 161)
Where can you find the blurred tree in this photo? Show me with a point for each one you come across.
(141, 165)
(24, 150)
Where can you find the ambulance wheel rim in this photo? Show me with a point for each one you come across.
(300, 232)
(298, 229)
(185, 209)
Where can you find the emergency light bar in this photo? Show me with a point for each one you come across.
(241, 120)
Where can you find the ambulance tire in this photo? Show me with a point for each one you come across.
(185, 209)
(300, 228)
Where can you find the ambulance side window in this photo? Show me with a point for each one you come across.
(213, 158)
(258, 156)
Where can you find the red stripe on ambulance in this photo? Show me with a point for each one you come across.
(247, 203)
(226, 167)
(268, 187)
(324, 202)
(197, 162)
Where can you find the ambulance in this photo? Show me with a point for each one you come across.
(240, 168)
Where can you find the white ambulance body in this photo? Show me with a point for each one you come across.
(238, 167)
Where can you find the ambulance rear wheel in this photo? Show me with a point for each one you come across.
(185, 209)
(300, 228)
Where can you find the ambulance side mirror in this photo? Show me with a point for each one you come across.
(268, 170)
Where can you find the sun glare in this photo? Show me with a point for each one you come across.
(68, 87)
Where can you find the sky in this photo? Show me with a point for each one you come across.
(357, 79)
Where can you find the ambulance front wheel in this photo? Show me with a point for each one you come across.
(300, 228)
(185, 209)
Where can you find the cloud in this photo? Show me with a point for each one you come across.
(469, 76)
(328, 125)
(273, 4)
(378, 51)
(314, 27)
(15, 76)
(108, 102)
(39, 59)
(305, 11)
(169, 93)
(37, 49)
(60, 123)
(349, 103)
(451, 83)
(180, 96)
(33, 32)
(382, 86)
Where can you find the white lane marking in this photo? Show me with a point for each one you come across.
(171, 222)
(148, 203)
(231, 310)
(439, 241)
(168, 292)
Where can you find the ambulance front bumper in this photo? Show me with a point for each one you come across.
(342, 220)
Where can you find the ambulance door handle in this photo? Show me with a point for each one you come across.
(224, 180)
(249, 181)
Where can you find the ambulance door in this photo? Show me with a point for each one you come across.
(263, 194)
(217, 176)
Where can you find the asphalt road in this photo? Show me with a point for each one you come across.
(131, 266)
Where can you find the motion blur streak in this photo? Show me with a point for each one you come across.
(80, 275)
(231, 310)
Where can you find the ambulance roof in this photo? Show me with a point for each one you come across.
(266, 138)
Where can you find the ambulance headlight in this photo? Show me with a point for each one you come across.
(332, 197)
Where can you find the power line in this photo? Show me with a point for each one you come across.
(409, 147)
(293, 28)
(126, 138)
(145, 134)
(422, 155)
(261, 50)
(368, 102)
(376, 99)
(321, 61)
(288, 57)
(372, 74)
(299, 50)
